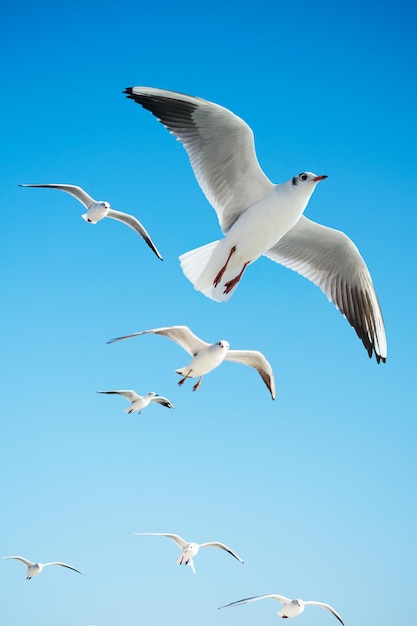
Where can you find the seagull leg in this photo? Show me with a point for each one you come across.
(222, 271)
(232, 283)
(182, 381)
(196, 386)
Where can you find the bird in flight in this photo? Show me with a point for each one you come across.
(258, 217)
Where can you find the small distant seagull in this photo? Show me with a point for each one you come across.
(190, 549)
(206, 357)
(99, 209)
(35, 568)
(260, 218)
(140, 402)
(291, 608)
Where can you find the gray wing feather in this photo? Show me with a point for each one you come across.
(220, 147)
(331, 261)
(181, 543)
(273, 596)
(255, 359)
(182, 335)
(73, 190)
(328, 607)
(127, 393)
(64, 565)
(19, 558)
(222, 546)
(131, 221)
(163, 401)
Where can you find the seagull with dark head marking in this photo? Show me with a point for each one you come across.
(99, 209)
(258, 217)
(189, 549)
(291, 608)
(35, 568)
(206, 357)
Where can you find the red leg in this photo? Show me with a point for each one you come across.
(196, 386)
(232, 283)
(182, 381)
(222, 271)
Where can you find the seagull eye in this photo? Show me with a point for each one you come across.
(303, 176)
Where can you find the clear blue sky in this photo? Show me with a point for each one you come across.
(316, 491)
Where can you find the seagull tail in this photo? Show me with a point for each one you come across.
(87, 219)
(128, 410)
(201, 265)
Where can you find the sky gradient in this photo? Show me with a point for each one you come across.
(315, 491)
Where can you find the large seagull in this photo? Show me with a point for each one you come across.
(260, 218)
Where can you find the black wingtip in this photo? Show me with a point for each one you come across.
(129, 92)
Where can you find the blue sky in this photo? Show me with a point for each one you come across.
(316, 491)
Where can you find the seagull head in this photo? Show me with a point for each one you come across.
(307, 178)
(152, 393)
(223, 344)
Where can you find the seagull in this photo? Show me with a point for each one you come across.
(140, 402)
(258, 217)
(206, 357)
(35, 568)
(99, 209)
(291, 608)
(190, 548)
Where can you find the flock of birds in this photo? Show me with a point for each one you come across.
(257, 218)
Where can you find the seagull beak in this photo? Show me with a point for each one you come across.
(317, 178)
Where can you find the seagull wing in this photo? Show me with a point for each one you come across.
(180, 334)
(328, 607)
(274, 596)
(163, 401)
(331, 261)
(19, 558)
(181, 543)
(136, 225)
(127, 393)
(64, 565)
(222, 546)
(255, 359)
(220, 147)
(73, 190)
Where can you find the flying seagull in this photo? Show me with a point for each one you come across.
(291, 608)
(260, 218)
(99, 209)
(190, 548)
(35, 568)
(206, 357)
(140, 402)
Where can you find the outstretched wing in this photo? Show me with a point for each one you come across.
(73, 190)
(255, 359)
(220, 147)
(131, 221)
(222, 546)
(127, 393)
(331, 261)
(273, 596)
(181, 543)
(163, 401)
(19, 558)
(328, 607)
(64, 565)
(182, 335)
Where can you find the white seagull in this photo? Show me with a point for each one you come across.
(206, 357)
(99, 209)
(140, 402)
(291, 608)
(258, 217)
(190, 548)
(35, 568)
